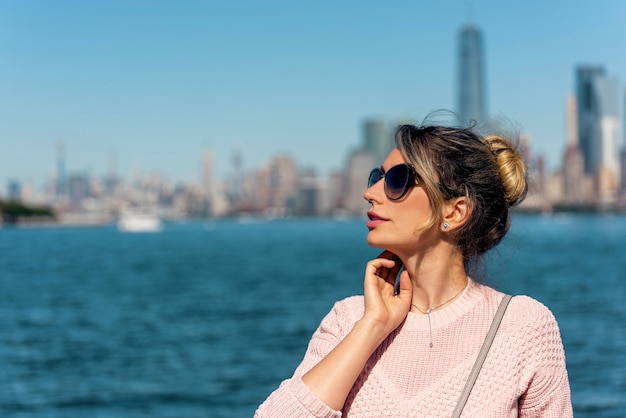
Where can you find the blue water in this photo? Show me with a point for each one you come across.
(205, 319)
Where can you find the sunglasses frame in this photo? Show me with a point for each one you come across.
(409, 182)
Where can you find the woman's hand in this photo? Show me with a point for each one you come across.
(332, 378)
(385, 308)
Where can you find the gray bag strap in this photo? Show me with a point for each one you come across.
(482, 355)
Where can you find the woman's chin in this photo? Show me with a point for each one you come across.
(373, 242)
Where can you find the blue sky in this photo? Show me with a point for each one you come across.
(157, 82)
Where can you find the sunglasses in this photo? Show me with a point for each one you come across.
(398, 180)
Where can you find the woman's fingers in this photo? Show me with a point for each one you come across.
(386, 267)
(387, 271)
(384, 303)
(377, 269)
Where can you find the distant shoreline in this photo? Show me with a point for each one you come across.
(24, 223)
(573, 210)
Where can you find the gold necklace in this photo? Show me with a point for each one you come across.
(429, 310)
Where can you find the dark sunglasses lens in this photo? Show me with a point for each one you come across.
(397, 181)
(375, 176)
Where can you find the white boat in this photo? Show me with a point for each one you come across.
(139, 222)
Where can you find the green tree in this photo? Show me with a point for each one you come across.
(13, 210)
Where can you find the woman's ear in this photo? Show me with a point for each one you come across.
(456, 213)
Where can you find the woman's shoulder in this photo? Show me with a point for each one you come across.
(529, 308)
(522, 306)
(341, 318)
(528, 316)
(350, 306)
(522, 310)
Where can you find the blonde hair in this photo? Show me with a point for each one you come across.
(512, 168)
(453, 162)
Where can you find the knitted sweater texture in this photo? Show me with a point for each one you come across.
(524, 374)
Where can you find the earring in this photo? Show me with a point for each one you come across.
(446, 225)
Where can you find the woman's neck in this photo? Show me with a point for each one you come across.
(437, 281)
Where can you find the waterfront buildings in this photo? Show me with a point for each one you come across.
(591, 175)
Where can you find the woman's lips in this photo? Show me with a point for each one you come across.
(374, 220)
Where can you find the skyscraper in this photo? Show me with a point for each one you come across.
(360, 162)
(61, 186)
(587, 111)
(573, 160)
(206, 176)
(471, 77)
(377, 139)
(599, 128)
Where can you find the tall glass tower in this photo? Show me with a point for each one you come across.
(599, 126)
(471, 77)
(598, 111)
(377, 139)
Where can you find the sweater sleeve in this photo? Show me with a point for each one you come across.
(293, 398)
(548, 392)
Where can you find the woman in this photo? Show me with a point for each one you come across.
(440, 200)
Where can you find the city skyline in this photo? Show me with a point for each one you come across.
(277, 79)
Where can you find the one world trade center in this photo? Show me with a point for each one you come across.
(471, 104)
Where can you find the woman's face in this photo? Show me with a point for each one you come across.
(397, 225)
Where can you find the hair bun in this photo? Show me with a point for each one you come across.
(512, 168)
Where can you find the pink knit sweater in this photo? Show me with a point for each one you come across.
(524, 374)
